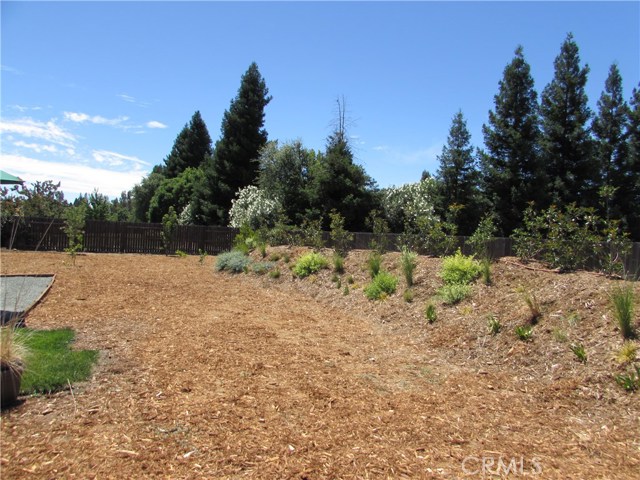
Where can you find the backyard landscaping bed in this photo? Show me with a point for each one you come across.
(206, 374)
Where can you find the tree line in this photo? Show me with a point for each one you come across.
(540, 152)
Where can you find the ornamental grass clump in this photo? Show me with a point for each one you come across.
(408, 264)
(622, 299)
(309, 263)
(381, 286)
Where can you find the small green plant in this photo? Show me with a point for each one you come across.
(560, 335)
(430, 313)
(262, 246)
(312, 233)
(338, 263)
(275, 273)
(573, 318)
(234, 261)
(622, 299)
(309, 263)
(262, 267)
(74, 221)
(339, 284)
(274, 257)
(350, 280)
(480, 239)
(408, 264)
(627, 352)
(631, 381)
(335, 278)
(374, 263)
(381, 286)
(579, 352)
(380, 230)
(524, 332)
(494, 325)
(459, 269)
(181, 254)
(169, 229)
(286, 258)
(408, 295)
(202, 256)
(454, 293)
(246, 240)
(529, 297)
(485, 271)
(340, 237)
(345, 290)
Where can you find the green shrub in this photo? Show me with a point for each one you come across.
(579, 352)
(524, 332)
(345, 290)
(234, 261)
(408, 295)
(459, 269)
(169, 229)
(309, 263)
(627, 352)
(350, 280)
(340, 237)
(479, 240)
(382, 285)
(494, 325)
(246, 240)
(454, 293)
(181, 254)
(262, 267)
(430, 313)
(374, 263)
(274, 273)
(312, 234)
(408, 264)
(203, 256)
(622, 299)
(274, 257)
(485, 271)
(630, 382)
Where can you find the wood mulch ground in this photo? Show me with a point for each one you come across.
(211, 375)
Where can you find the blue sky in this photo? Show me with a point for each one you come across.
(93, 94)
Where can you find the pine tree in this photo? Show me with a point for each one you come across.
(609, 129)
(628, 194)
(458, 178)
(191, 147)
(512, 172)
(234, 164)
(566, 142)
(337, 183)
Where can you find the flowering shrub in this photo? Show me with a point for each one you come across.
(253, 207)
(408, 203)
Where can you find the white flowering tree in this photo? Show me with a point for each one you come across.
(409, 203)
(255, 208)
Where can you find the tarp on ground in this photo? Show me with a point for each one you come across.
(20, 293)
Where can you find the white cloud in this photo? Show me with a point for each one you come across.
(114, 159)
(130, 99)
(381, 148)
(78, 117)
(74, 178)
(48, 131)
(7, 68)
(155, 124)
(37, 147)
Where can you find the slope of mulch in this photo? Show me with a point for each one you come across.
(210, 375)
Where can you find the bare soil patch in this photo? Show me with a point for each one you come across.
(210, 375)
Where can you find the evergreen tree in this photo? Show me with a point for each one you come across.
(628, 194)
(609, 129)
(234, 164)
(173, 192)
(144, 192)
(566, 142)
(512, 172)
(190, 148)
(337, 183)
(458, 179)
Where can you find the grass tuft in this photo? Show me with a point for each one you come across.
(524, 332)
(408, 264)
(579, 351)
(627, 352)
(430, 313)
(622, 299)
(494, 325)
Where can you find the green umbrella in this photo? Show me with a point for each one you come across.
(8, 179)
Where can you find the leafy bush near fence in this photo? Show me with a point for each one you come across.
(571, 238)
(383, 284)
(460, 269)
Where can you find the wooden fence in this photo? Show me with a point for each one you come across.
(121, 237)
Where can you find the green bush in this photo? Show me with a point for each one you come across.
(262, 267)
(454, 293)
(459, 269)
(340, 237)
(494, 325)
(408, 264)
(408, 295)
(338, 263)
(430, 313)
(246, 240)
(524, 332)
(274, 273)
(480, 239)
(630, 382)
(382, 285)
(309, 263)
(234, 261)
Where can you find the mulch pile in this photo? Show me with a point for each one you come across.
(211, 375)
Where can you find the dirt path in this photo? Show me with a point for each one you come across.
(207, 375)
